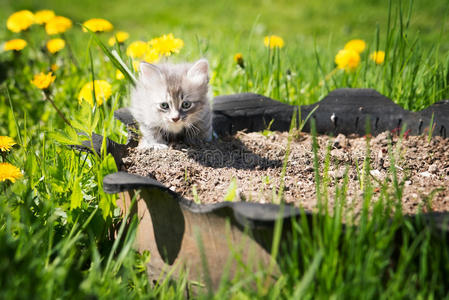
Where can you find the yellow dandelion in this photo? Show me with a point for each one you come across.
(238, 58)
(273, 41)
(43, 16)
(119, 75)
(58, 25)
(137, 49)
(120, 36)
(6, 143)
(151, 56)
(103, 92)
(20, 21)
(54, 67)
(348, 60)
(136, 64)
(9, 172)
(98, 25)
(166, 44)
(16, 45)
(55, 45)
(378, 57)
(43, 81)
(356, 45)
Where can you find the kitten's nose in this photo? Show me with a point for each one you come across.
(175, 119)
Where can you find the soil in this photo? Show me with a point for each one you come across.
(249, 167)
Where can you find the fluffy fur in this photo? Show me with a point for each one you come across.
(170, 102)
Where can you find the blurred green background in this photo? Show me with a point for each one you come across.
(313, 31)
(329, 23)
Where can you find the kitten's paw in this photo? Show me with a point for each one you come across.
(151, 146)
(159, 146)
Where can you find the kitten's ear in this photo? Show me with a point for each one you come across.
(151, 73)
(199, 72)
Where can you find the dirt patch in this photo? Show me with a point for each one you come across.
(248, 167)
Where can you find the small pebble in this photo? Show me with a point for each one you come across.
(376, 174)
(340, 141)
(433, 169)
(425, 174)
(338, 154)
(338, 174)
(309, 169)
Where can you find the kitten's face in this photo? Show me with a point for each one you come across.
(177, 93)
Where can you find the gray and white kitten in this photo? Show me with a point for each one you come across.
(170, 102)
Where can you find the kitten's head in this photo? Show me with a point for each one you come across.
(173, 96)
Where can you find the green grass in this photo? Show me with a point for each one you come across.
(56, 222)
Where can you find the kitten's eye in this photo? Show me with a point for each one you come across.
(164, 105)
(186, 104)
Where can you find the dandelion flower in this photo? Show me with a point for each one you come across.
(136, 64)
(98, 25)
(6, 143)
(273, 41)
(43, 81)
(58, 25)
(167, 44)
(356, 45)
(54, 67)
(347, 59)
(55, 45)
(43, 16)
(119, 75)
(137, 49)
(9, 172)
(120, 36)
(20, 21)
(238, 58)
(103, 92)
(151, 56)
(16, 45)
(378, 57)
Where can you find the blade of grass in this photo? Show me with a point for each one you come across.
(114, 57)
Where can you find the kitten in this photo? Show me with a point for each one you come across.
(170, 102)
